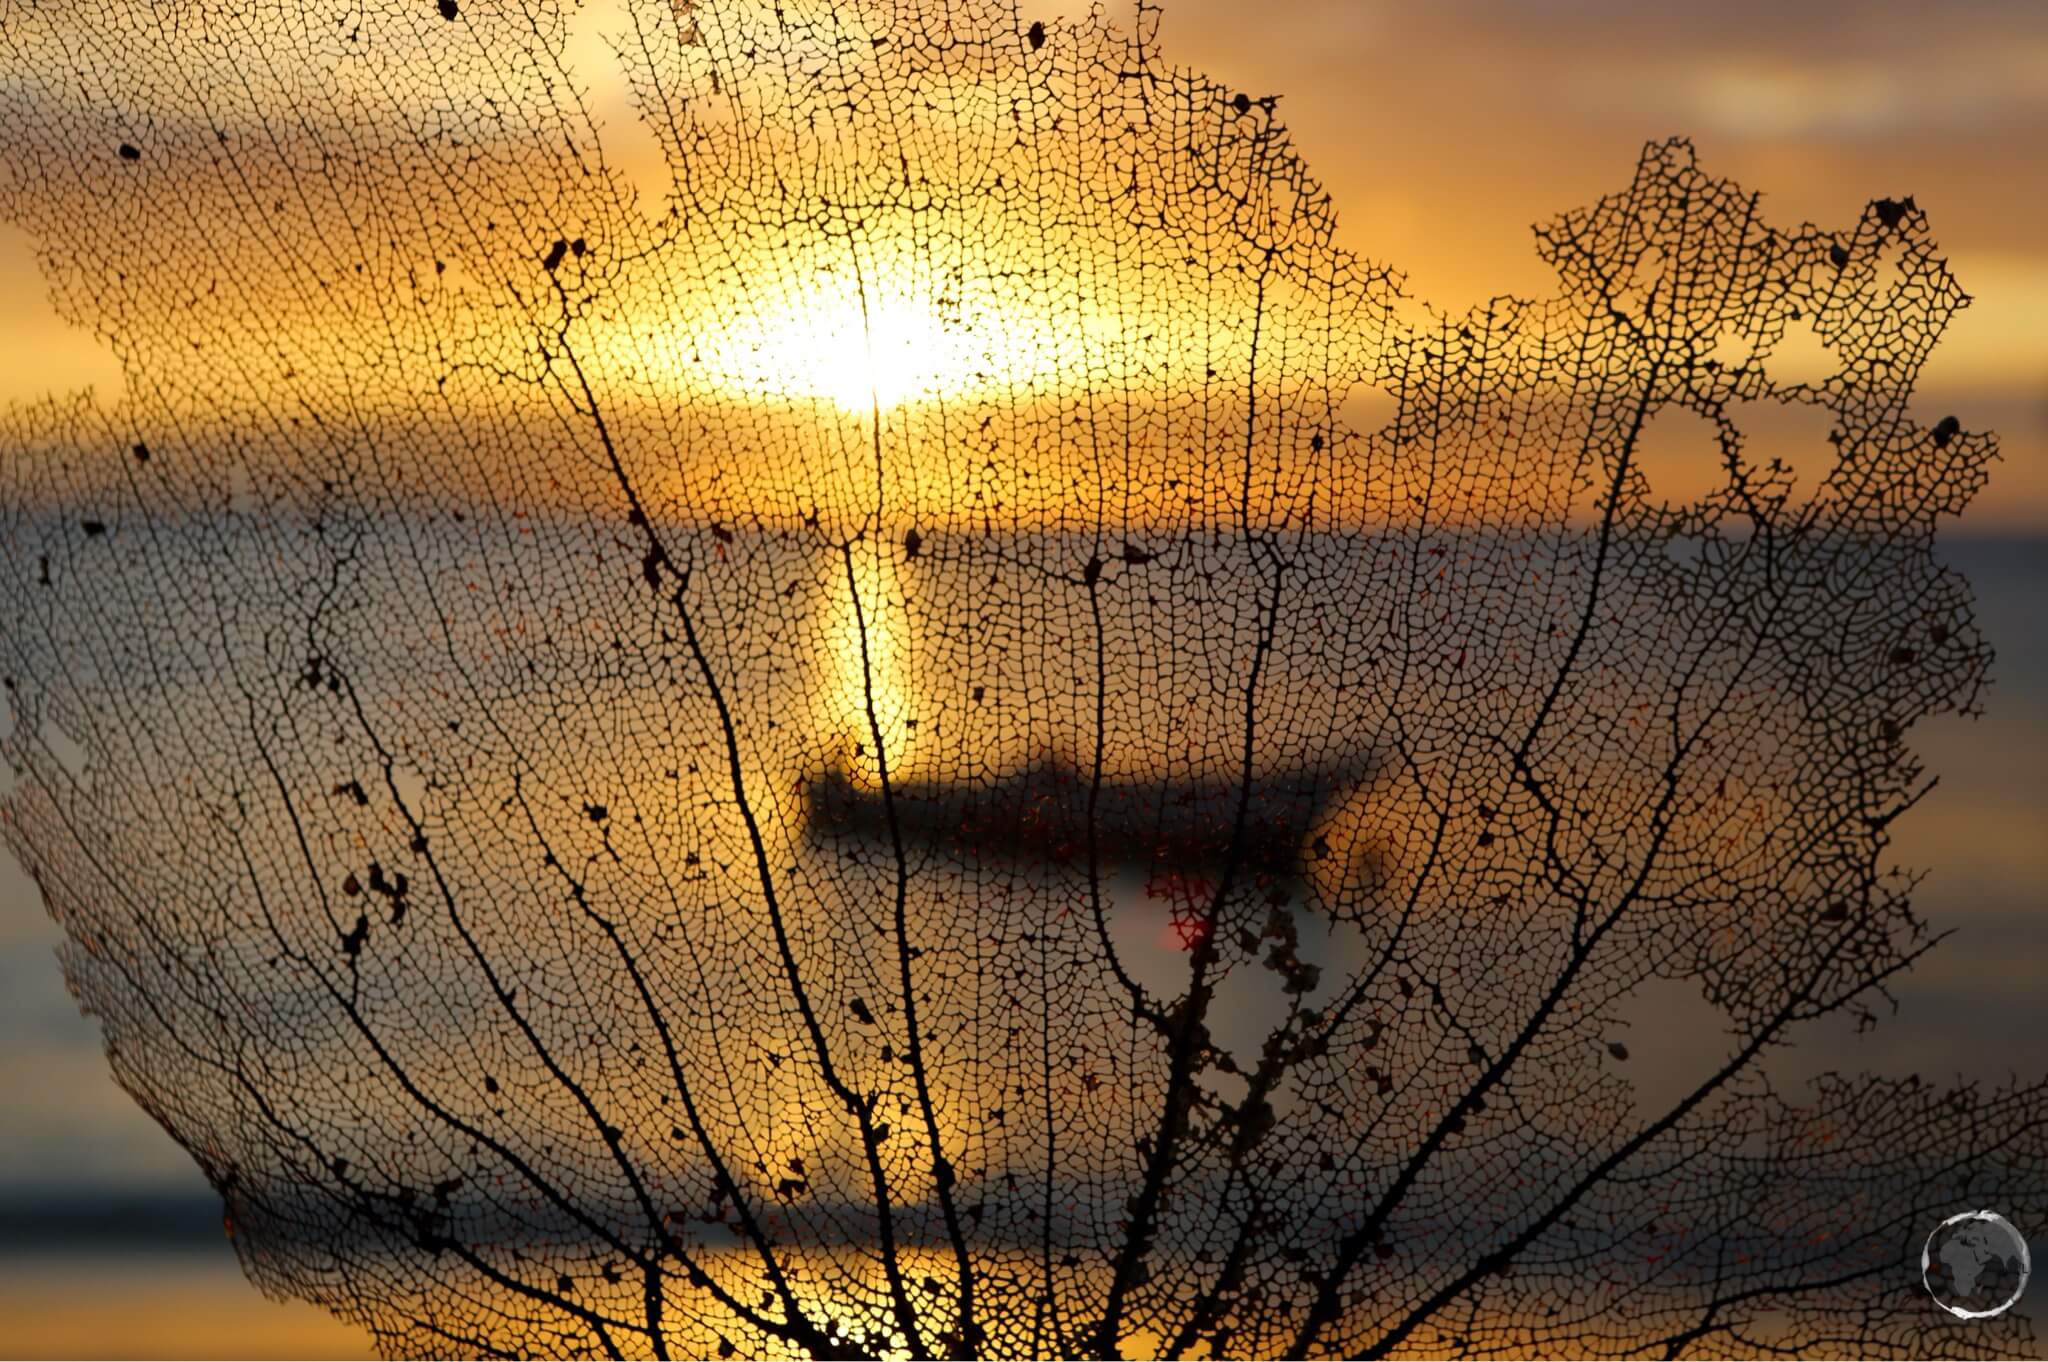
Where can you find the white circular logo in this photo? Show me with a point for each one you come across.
(1975, 1265)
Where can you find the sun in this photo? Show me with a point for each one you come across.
(897, 334)
(892, 356)
(869, 345)
(861, 356)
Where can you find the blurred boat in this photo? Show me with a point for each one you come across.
(1053, 812)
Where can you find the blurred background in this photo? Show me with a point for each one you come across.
(1444, 132)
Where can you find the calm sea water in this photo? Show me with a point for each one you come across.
(97, 1205)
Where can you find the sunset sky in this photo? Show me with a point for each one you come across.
(1445, 131)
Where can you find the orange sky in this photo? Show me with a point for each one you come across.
(1445, 130)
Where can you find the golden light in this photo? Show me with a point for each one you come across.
(863, 350)
(868, 663)
(898, 327)
(897, 355)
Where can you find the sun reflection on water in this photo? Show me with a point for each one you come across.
(867, 689)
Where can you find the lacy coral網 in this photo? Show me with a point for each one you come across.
(959, 734)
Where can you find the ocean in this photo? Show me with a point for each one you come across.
(111, 1244)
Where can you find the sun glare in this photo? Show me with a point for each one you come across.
(863, 354)
(879, 344)
(896, 357)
